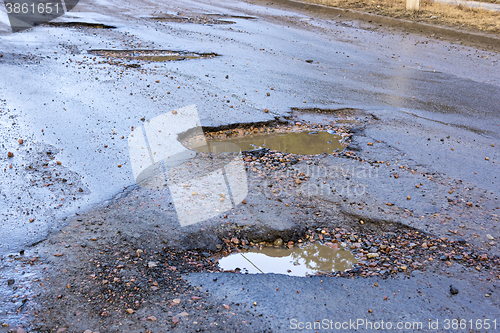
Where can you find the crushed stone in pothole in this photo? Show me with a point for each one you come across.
(301, 143)
(299, 261)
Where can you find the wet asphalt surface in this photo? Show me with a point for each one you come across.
(82, 244)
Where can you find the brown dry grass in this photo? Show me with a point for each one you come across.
(431, 12)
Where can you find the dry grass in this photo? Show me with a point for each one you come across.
(431, 12)
(490, 1)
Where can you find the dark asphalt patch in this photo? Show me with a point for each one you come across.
(78, 25)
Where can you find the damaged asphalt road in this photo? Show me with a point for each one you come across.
(84, 248)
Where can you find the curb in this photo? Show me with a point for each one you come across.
(483, 40)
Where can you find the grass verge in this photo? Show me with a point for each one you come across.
(430, 12)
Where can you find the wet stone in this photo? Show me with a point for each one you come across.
(373, 249)
(278, 242)
(10, 282)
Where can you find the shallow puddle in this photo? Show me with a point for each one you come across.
(192, 20)
(303, 143)
(152, 55)
(165, 58)
(304, 261)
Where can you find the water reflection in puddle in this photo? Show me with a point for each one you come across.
(303, 143)
(307, 260)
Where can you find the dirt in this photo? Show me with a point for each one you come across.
(430, 12)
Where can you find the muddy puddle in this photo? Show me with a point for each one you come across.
(225, 16)
(152, 55)
(299, 261)
(302, 143)
(193, 20)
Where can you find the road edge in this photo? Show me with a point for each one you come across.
(484, 40)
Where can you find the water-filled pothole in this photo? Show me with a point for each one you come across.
(301, 143)
(152, 55)
(192, 20)
(244, 17)
(79, 25)
(299, 261)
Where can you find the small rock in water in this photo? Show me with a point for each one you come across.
(10, 282)
(453, 290)
(373, 249)
(490, 237)
(372, 255)
(278, 242)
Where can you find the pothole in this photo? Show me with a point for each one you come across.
(192, 20)
(244, 17)
(345, 111)
(151, 55)
(291, 138)
(78, 25)
(299, 261)
(338, 116)
(299, 143)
